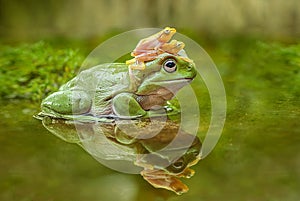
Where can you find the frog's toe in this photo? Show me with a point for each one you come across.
(187, 173)
(166, 182)
(137, 66)
(131, 61)
(178, 187)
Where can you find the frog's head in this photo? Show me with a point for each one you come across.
(161, 176)
(168, 177)
(166, 34)
(190, 158)
(172, 152)
(165, 75)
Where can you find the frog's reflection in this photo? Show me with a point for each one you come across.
(161, 155)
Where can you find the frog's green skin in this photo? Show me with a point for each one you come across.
(106, 90)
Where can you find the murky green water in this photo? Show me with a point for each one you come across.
(257, 157)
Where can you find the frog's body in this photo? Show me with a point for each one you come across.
(149, 48)
(114, 91)
(107, 89)
(154, 42)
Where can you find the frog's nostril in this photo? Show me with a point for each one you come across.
(189, 67)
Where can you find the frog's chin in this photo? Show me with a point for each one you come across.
(172, 86)
(175, 82)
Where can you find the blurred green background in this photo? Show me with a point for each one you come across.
(31, 19)
(255, 45)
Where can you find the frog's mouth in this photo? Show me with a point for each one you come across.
(171, 86)
(160, 92)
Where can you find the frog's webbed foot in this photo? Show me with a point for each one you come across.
(134, 64)
(163, 180)
(134, 81)
(172, 47)
(187, 173)
(137, 63)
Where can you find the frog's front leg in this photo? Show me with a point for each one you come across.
(172, 47)
(160, 179)
(137, 63)
(187, 173)
(126, 106)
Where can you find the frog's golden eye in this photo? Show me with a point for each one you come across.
(170, 65)
(178, 164)
(167, 31)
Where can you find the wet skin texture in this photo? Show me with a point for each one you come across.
(108, 90)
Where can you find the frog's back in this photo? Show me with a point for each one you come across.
(105, 78)
(100, 83)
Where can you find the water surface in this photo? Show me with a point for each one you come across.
(257, 157)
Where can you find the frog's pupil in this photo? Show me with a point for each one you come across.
(178, 164)
(170, 64)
